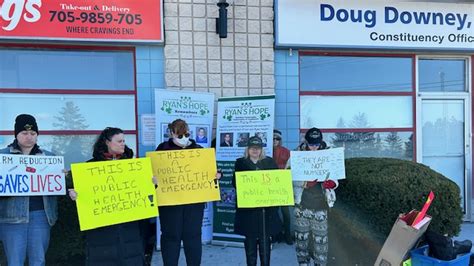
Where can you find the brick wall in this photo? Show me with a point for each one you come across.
(197, 59)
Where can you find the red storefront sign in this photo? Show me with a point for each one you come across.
(84, 20)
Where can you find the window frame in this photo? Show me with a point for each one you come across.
(64, 47)
(467, 72)
(411, 93)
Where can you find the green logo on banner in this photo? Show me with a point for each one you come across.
(247, 109)
(185, 105)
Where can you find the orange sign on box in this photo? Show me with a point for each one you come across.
(99, 20)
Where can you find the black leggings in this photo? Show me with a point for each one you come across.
(251, 244)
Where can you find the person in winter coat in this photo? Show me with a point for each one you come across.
(281, 155)
(311, 224)
(26, 221)
(181, 222)
(249, 222)
(119, 244)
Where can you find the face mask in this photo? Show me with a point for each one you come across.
(182, 141)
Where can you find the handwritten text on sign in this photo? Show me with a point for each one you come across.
(309, 166)
(113, 192)
(264, 188)
(185, 176)
(24, 175)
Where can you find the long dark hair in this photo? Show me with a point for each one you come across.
(100, 146)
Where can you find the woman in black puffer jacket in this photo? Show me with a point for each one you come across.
(120, 244)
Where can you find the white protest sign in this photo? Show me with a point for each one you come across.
(309, 166)
(26, 175)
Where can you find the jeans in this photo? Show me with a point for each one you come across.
(30, 238)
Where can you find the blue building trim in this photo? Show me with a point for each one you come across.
(150, 75)
(287, 97)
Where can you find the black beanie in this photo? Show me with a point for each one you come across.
(314, 136)
(25, 122)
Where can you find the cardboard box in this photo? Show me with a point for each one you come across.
(401, 239)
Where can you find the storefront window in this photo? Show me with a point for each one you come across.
(362, 103)
(76, 148)
(355, 74)
(442, 75)
(70, 111)
(73, 94)
(356, 111)
(373, 144)
(66, 70)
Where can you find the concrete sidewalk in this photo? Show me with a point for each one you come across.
(282, 254)
(467, 232)
(214, 255)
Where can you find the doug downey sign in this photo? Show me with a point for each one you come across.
(25, 175)
(379, 24)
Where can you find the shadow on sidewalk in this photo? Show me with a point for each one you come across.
(351, 240)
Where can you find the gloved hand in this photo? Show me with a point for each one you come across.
(329, 184)
(330, 197)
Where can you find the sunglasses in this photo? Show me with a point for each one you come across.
(184, 135)
(277, 139)
(314, 145)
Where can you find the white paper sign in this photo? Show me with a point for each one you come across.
(309, 166)
(25, 175)
(148, 129)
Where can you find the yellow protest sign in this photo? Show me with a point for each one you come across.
(113, 192)
(264, 188)
(185, 176)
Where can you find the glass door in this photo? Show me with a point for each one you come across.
(444, 120)
(443, 139)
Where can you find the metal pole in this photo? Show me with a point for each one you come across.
(263, 260)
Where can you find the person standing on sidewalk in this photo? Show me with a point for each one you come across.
(181, 222)
(281, 156)
(256, 224)
(26, 221)
(311, 209)
(121, 244)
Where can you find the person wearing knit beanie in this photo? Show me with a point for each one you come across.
(25, 122)
(311, 208)
(26, 134)
(26, 221)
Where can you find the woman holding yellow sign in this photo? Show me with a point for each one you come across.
(118, 244)
(256, 224)
(181, 222)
